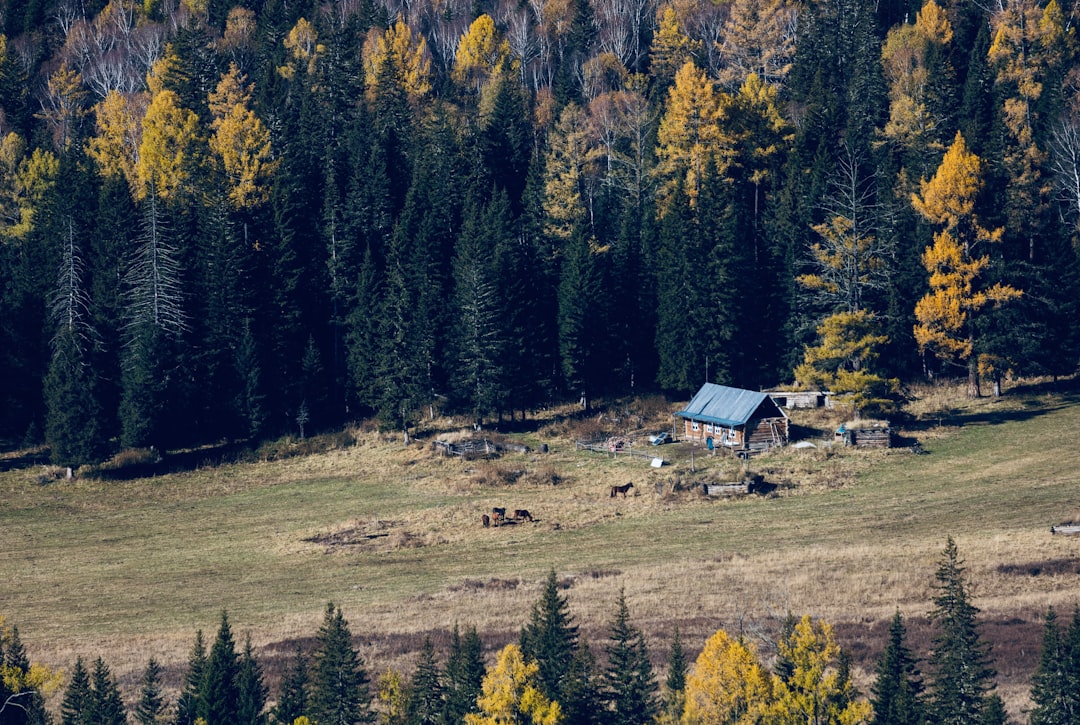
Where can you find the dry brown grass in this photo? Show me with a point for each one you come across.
(392, 534)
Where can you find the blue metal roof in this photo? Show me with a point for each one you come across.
(724, 405)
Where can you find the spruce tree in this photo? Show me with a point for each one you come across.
(897, 690)
(293, 700)
(106, 705)
(339, 682)
(1055, 688)
(75, 709)
(188, 704)
(630, 687)
(963, 679)
(219, 694)
(251, 689)
(464, 675)
(550, 639)
(150, 709)
(675, 685)
(425, 704)
(582, 700)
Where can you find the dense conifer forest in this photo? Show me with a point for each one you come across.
(230, 220)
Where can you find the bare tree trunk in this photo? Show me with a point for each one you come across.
(973, 390)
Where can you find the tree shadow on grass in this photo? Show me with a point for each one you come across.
(1066, 395)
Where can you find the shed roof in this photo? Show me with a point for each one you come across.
(727, 406)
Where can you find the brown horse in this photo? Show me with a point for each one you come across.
(486, 519)
(616, 490)
(522, 515)
(498, 515)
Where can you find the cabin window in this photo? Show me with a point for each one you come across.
(694, 425)
(708, 428)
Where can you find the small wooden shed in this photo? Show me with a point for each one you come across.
(735, 419)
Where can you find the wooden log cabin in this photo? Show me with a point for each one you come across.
(734, 419)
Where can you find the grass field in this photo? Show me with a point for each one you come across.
(127, 569)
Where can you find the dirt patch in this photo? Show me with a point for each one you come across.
(358, 534)
(1046, 567)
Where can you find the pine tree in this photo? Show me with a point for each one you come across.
(897, 689)
(219, 694)
(189, 703)
(106, 705)
(251, 689)
(425, 703)
(1055, 688)
(463, 675)
(150, 710)
(630, 687)
(963, 679)
(675, 685)
(550, 639)
(339, 682)
(582, 699)
(293, 700)
(75, 709)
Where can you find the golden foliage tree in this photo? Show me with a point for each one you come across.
(407, 50)
(842, 362)
(480, 54)
(728, 685)
(115, 147)
(912, 121)
(671, 48)
(62, 105)
(302, 42)
(690, 135)
(25, 178)
(815, 690)
(241, 142)
(168, 150)
(565, 174)
(509, 694)
(958, 291)
(757, 38)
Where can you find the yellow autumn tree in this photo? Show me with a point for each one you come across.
(23, 682)
(240, 142)
(302, 42)
(62, 106)
(168, 150)
(392, 695)
(480, 54)
(407, 50)
(671, 48)
(728, 685)
(690, 136)
(509, 695)
(25, 179)
(912, 121)
(115, 146)
(565, 174)
(812, 688)
(958, 293)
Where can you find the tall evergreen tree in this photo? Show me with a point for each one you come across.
(582, 700)
(189, 702)
(339, 682)
(106, 704)
(550, 639)
(1055, 687)
(219, 694)
(463, 675)
(630, 686)
(75, 708)
(293, 700)
(152, 704)
(897, 690)
(251, 689)
(425, 703)
(963, 680)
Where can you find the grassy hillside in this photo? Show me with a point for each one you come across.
(392, 534)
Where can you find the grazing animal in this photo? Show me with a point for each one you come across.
(498, 515)
(486, 519)
(522, 515)
(616, 490)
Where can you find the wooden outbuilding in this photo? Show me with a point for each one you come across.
(734, 419)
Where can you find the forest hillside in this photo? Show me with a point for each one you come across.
(231, 220)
